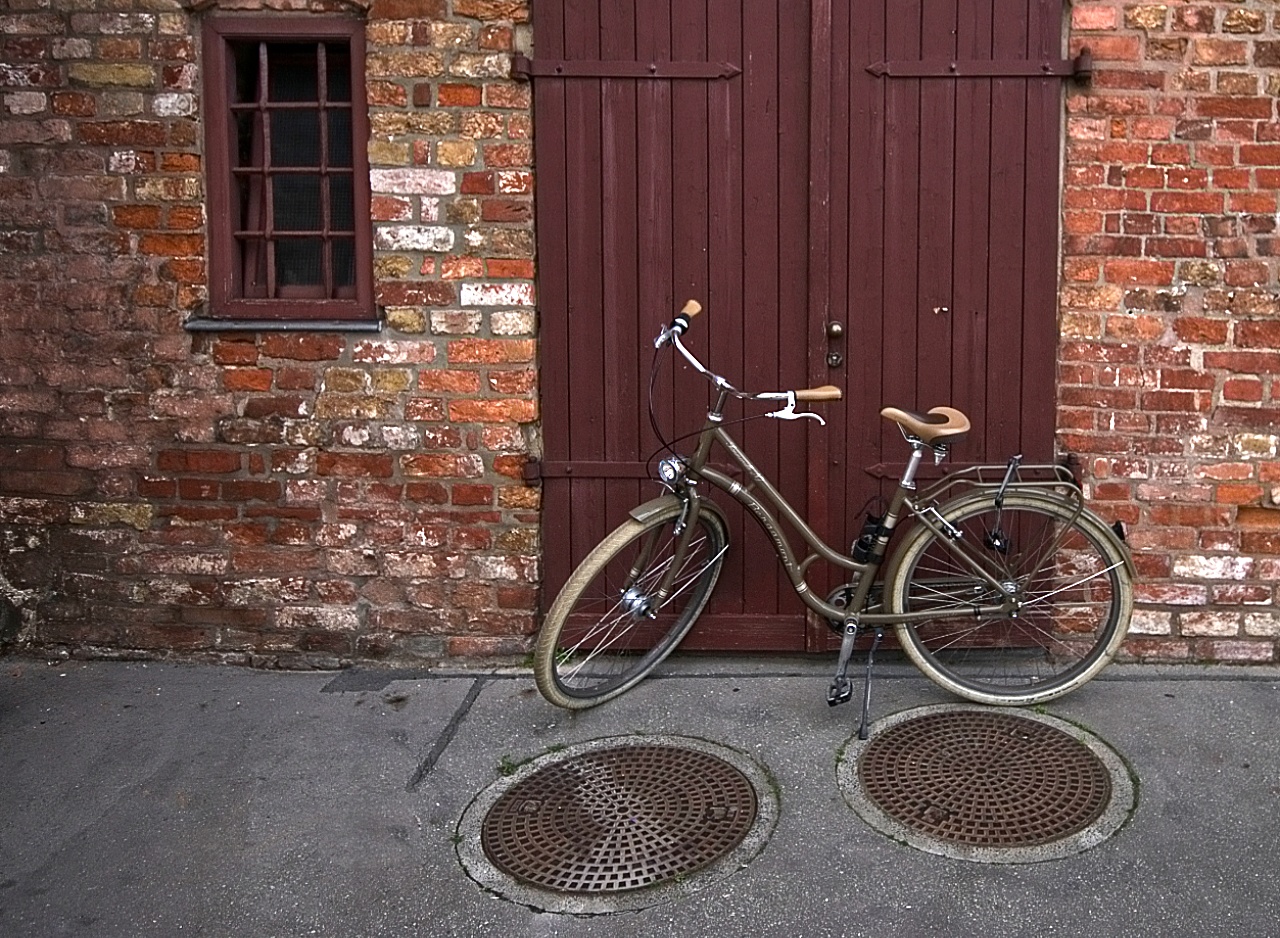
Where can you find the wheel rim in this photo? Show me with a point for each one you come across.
(1066, 599)
(619, 627)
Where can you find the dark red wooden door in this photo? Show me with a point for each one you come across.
(651, 191)
(766, 172)
(942, 228)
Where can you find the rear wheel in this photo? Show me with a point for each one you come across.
(1072, 598)
(609, 627)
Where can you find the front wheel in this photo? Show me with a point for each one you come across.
(610, 625)
(1063, 581)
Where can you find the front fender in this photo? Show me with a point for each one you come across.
(669, 506)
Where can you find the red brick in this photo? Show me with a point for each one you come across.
(506, 210)
(1189, 202)
(208, 462)
(450, 381)
(1199, 330)
(472, 494)
(367, 465)
(493, 411)
(302, 347)
(247, 379)
(1258, 335)
(172, 245)
(490, 351)
(244, 490)
(1139, 271)
(136, 216)
(458, 95)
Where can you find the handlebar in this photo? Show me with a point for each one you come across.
(680, 325)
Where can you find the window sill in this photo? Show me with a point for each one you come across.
(282, 325)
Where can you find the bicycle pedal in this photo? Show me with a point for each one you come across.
(839, 692)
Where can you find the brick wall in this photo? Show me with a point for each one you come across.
(267, 497)
(1171, 311)
(313, 497)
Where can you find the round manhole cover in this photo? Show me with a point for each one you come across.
(988, 784)
(615, 824)
(619, 819)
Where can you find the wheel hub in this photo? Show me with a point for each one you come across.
(637, 604)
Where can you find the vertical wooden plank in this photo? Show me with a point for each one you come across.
(587, 351)
(1007, 259)
(936, 231)
(972, 228)
(901, 211)
(725, 154)
(866, 303)
(553, 296)
(626, 427)
(819, 268)
(761, 313)
(1040, 234)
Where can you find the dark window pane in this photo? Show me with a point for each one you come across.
(248, 136)
(248, 204)
(295, 138)
(298, 262)
(296, 203)
(253, 268)
(344, 262)
(338, 60)
(339, 137)
(292, 73)
(342, 204)
(245, 55)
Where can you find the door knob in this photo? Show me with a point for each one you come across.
(835, 330)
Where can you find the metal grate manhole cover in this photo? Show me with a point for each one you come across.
(990, 785)
(619, 819)
(986, 779)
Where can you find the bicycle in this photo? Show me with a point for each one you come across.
(1005, 590)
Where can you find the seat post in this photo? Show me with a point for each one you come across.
(908, 480)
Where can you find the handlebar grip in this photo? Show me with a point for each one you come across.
(680, 325)
(828, 392)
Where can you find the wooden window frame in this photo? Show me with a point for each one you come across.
(227, 302)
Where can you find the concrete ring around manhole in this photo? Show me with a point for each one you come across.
(987, 784)
(618, 824)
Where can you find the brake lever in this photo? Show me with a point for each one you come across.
(789, 412)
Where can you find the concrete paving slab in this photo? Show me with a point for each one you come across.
(167, 800)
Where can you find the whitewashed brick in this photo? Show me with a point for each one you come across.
(26, 102)
(1262, 624)
(174, 105)
(329, 618)
(512, 322)
(1151, 622)
(413, 238)
(1210, 623)
(413, 181)
(456, 321)
(1213, 567)
(497, 294)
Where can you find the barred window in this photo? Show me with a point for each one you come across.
(288, 174)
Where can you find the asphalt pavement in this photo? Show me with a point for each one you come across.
(171, 799)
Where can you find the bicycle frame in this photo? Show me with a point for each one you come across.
(698, 469)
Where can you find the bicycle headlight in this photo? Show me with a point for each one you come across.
(670, 470)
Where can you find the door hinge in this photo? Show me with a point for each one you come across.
(523, 67)
(533, 471)
(1080, 68)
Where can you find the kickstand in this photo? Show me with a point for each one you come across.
(864, 730)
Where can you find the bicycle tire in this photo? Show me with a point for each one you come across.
(598, 639)
(1071, 576)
